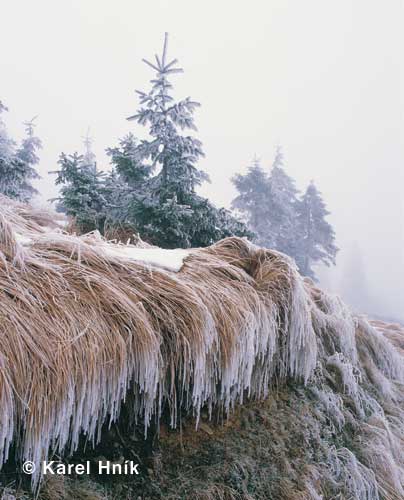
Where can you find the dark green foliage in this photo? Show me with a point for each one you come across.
(156, 178)
(127, 161)
(151, 188)
(197, 224)
(82, 192)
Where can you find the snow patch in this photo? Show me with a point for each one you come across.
(171, 260)
(22, 240)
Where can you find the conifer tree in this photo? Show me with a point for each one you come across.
(280, 220)
(17, 165)
(268, 203)
(7, 149)
(125, 186)
(161, 173)
(281, 207)
(7, 145)
(252, 200)
(315, 235)
(82, 192)
(175, 153)
(27, 157)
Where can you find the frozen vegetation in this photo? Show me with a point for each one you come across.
(236, 323)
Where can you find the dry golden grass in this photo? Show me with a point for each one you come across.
(80, 328)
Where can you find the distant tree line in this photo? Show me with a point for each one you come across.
(283, 220)
(151, 188)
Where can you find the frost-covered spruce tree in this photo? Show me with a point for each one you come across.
(17, 165)
(268, 203)
(281, 208)
(7, 145)
(27, 158)
(125, 186)
(316, 235)
(82, 191)
(252, 200)
(177, 154)
(162, 171)
(7, 149)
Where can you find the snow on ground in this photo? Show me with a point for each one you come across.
(172, 260)
(22, 240)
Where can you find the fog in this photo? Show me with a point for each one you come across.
(320, 77)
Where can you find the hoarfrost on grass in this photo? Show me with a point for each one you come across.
(231, 323)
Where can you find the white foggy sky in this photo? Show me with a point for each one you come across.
(321, 77)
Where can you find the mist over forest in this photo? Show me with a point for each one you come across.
(201, 250)
(330, 95)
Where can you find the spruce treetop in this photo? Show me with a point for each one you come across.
(278, 160)
(30, 126)
(89, 159)
(29, 147)
(6, 144)
(177, 154)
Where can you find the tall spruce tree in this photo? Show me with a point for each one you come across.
(252, 200)
(268, 202)
(175, 153)
(316, 236)
(17, 165)
(161, 173)
(281, 207)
